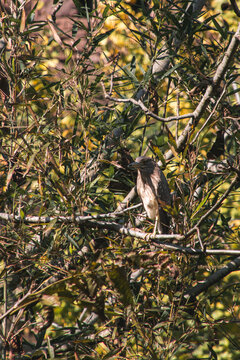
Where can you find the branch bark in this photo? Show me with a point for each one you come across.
(95, 222)
(198, 112)
(162, 62)
(147, 112)
(215, 207)
(214, 278)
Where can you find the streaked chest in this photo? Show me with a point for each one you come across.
(147, 193)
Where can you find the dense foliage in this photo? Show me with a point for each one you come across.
(79, 281)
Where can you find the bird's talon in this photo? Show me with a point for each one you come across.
(147, 237)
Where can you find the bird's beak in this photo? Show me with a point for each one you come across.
(134, 165)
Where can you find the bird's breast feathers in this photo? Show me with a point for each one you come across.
(149, 201)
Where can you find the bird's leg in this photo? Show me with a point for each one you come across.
(157, 226)
(147, 237)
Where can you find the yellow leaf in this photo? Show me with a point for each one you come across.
(55, 34)
(23, 21)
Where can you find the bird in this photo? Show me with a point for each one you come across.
(153, 189)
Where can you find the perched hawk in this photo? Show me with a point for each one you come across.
(152, 187)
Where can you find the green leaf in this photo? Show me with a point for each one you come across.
(74, 30)
(210, 18)
(29, 164)
(79, 6)
(101, 37)
(31, 14)
(143, 35)
(233, 92)
(69, 57)
(201, 204)
(9, 175)
(50, 349)
(50, 226)
(172, 140)
(159, 153)
(174, 20)
(76, 43)
(130, 74)
(170, 71)
(22, 214)
(219, 28)
(23, 21)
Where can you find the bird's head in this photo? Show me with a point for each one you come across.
(143, 163)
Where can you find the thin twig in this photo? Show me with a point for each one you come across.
(197, 114)
(62, 218)
(177, 121)
(91, 221)
(235, 7)
(148, 112)
(5, 299)
(214, 207)
(210, 115)
(199, 239)
(15, 305)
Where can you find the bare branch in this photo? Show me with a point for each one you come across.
(163, 59)
(210, 115)
(127, 199)
(235, 7)
(221, 70)
(15, 306)
(92, 221)
(213, 279)
(67, 219)
(147, 112)
(214, 207)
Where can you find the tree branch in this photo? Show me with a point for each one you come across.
(161, 63)
(210, 115)
(127, 199)
(214, 207)
(235, 7)
(214, 278)
(15, 306)
(94, 222)
(147, 112)
(220, 72)
(205, 99)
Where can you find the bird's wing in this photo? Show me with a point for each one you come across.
(162, 188)
(164, 196)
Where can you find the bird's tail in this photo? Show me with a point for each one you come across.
(164, 224)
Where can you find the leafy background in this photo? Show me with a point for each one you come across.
(83, 290)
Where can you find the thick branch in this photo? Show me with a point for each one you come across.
(220, 72)
(127, 199)
(94, 222)
(91, 221)
(222, 68)
(213, 279)
(162, 62)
